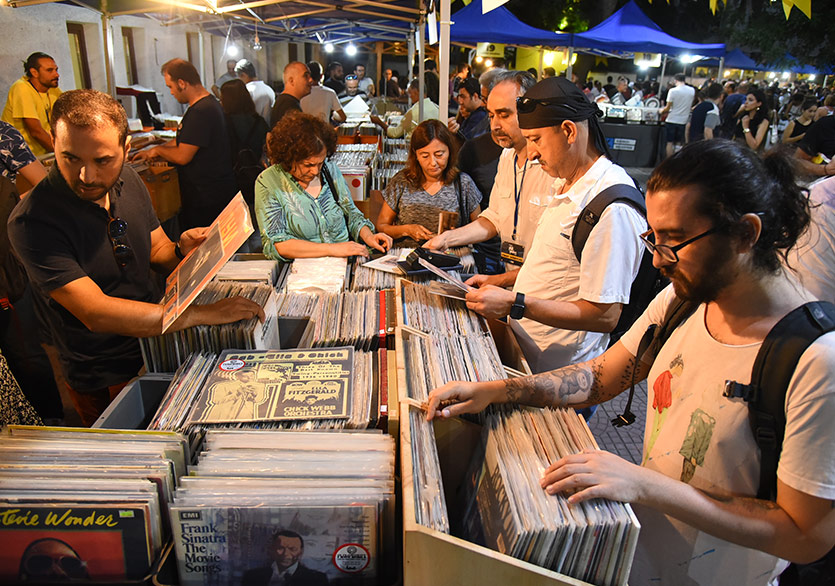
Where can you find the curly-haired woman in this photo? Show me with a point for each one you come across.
(302, 202)
(429, 184)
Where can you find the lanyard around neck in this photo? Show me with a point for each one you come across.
(517, 190)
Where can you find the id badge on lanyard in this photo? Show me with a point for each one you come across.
(512, 251)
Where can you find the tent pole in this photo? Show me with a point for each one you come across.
(378, 47)
(721, 68)
(107, 37)
(663, 70)
(443, 47)
(411, 52)
(421, 66)
(569, 71)
(541, 60)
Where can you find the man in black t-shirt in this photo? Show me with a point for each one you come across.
(297, 84)
(200, 150)
(819, 140)
(88, 238)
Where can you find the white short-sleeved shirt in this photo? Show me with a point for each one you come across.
(814, 256)
(696, 434)
(611, 258)
(321, 102)
(682, 98)
(535, 192)
(365, 84)
(263, 96)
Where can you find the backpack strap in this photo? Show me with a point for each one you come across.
(773, 369)
(463, 215)
(651, 343)
(328, 180)
(590, 215)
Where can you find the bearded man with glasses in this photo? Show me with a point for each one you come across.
(723, 221)
(88, 238)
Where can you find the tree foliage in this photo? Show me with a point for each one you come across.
(759, 27)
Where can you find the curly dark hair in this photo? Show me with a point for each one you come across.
(426, 132)
(733, 181)
(298, 136)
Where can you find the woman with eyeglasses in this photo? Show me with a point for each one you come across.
(302, 202)
(429, 185)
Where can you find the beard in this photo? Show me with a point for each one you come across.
(705, 285)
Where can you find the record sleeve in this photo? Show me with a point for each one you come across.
(84, 541)
(277, 385)
(223, 238)
(240, 545)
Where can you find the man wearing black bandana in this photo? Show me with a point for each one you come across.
(562, 308)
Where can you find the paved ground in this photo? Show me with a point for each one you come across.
(625, 441)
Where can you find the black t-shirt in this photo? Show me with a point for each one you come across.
(479, 158)
(283, 103)
(335, 85)
(60, 238)
(820, 137)
(697, 120)
(207, 182)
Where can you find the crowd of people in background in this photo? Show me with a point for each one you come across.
(513, 170)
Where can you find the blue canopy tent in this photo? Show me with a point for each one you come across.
(500, 26)
(629, 30)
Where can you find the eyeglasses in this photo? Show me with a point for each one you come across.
(41, 564)
(526, 105)
(670, 253)
(117, 229)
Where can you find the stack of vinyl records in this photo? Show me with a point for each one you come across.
(332, 388)
(315, 275)
(357, 318)
(506, 509)
(295, 304)
(436, 314)
(179, 398)
(354, 155)
(434, 360)
(85, 505)
(167, 352)
(430, 504)
(316, 505)
(264, 272)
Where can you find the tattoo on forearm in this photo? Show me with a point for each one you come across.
(572, 384)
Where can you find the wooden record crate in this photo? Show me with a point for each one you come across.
(433, 557)
(430, 556)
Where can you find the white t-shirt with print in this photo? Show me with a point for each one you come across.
(694, 433)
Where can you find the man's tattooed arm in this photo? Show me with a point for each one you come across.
(566, 386)
(577, 385)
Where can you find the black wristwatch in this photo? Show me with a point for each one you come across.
(177, 252)
(517, 310)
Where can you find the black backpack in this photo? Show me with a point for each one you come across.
(771, 374)
(648, 282)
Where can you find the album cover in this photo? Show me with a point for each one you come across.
(277, 385)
